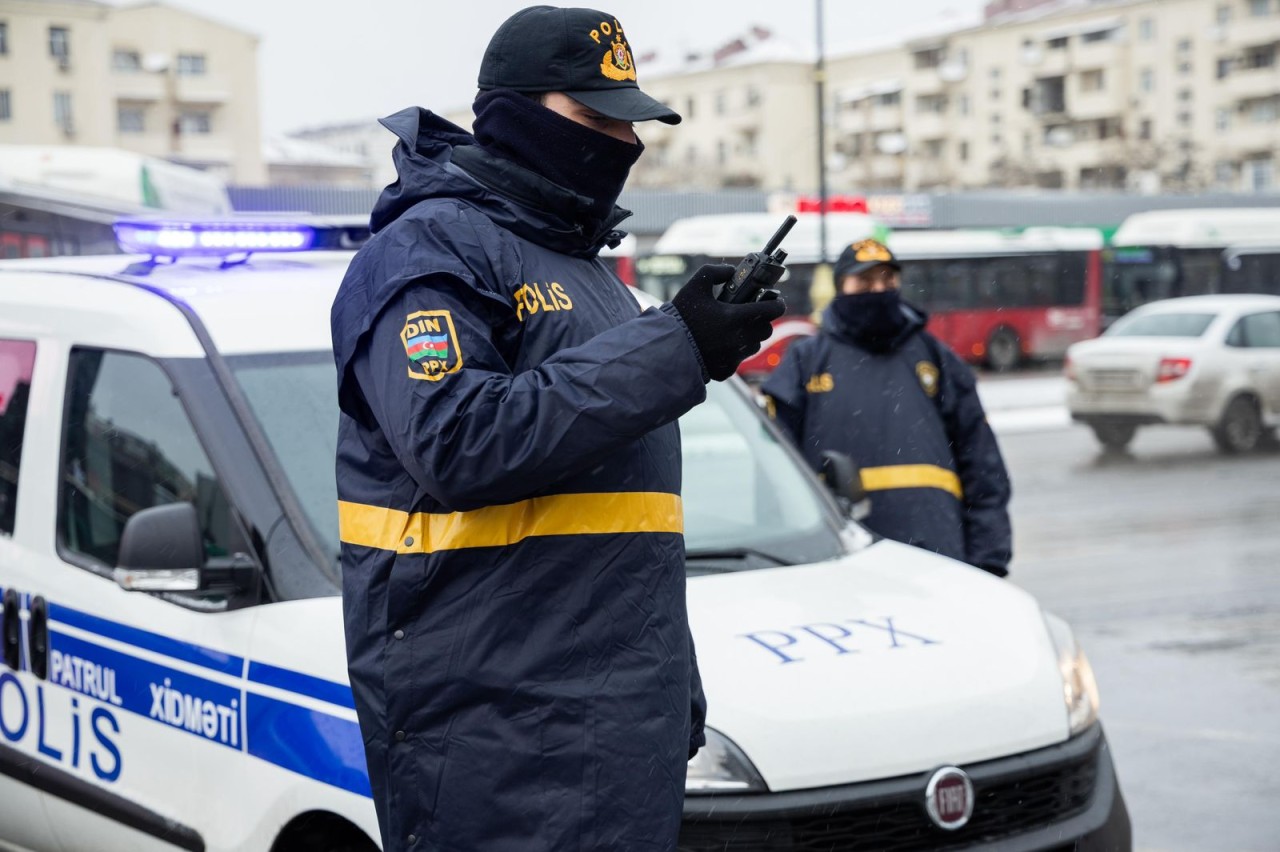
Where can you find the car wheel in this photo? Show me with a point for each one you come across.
(1114, 436)
(1240, 430)
(1004, 350)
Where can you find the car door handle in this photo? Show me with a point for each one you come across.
(40, 638)
(12, 630)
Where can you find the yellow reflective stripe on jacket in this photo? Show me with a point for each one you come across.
(912, 476)
(498, 526)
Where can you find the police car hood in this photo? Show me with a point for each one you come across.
(437, 159)
(887, 662)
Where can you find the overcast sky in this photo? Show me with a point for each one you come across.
(323, 62)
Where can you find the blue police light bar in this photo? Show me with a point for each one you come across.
(212, 238)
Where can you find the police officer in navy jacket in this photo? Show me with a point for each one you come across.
(509, 467)
(873, 384)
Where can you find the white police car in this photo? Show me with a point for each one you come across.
(173, 669)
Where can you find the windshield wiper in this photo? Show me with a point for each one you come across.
(710, 554)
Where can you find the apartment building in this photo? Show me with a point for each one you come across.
(1145, 95)
(147, 78)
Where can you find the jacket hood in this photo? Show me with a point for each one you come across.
(916, 320)
(437, 159)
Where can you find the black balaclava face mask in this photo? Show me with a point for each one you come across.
(873, 320)
(592, 164)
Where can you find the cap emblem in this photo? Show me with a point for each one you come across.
(871, 250)
(617, 63)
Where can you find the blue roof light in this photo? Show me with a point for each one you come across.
(212, 238)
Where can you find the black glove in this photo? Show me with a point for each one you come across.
(726, 334)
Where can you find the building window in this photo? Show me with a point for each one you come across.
(1184, 68)
(1097, 36)
(1144, 129)
(995, 73)
(995, 94)
(964, 152)
(59, 43)
(131, 119)
(1184, 119)
(963, 105)
(4, 38)
(5, 109)
(1260, 175)
(688, 107)
(928, 58)
(191, 64)
(1146, 29)
(1222, 119)
(1093, 81)
(1259, 57)
(126, 60)
(1259, 8)
(890, 99)
(753, 96)
(1224, 68)
(195, 123)
(1263, 111)
(1184, 45)
(722, 152)
(1224, 173)
(1147, 80)
(933, 149)
(936, 104)
(1059, 43)
(1223, 13)
(62, 111)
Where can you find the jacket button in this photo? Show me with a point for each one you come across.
(399, 634)
(408, 542)
(399, 736)
(413, 838)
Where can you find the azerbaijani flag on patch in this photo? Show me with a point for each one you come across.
(428, 346)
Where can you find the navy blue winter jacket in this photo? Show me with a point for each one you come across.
(911, 418)
(512, 550)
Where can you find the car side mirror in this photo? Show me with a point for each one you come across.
(843, 478)
(162, 550)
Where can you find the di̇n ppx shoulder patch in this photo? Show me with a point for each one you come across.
(431, 344)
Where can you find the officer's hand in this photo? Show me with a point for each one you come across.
(726, 334)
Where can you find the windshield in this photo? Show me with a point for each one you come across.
(1161, 325)
(747, 503)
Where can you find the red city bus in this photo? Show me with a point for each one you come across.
(999, 298)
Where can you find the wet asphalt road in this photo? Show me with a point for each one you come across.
(1166, 560)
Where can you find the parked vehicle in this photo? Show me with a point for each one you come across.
(1211, 361)
(174, 674)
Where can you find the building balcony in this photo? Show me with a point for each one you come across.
(203, 149)
(1246, 137)
(202, 89)
(886, 118)
(853, 121)
(925, 81)
(880, 166)
(1100, 104)
(1244, 29)
(928, 125)
(138, 86)
(1097, 54)
(1242, 84)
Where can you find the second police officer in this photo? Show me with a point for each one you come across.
(874, 385)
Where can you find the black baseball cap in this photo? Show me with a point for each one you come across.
(863, 255)
(581, 52)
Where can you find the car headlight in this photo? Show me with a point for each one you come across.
(721, 767)
(1078, 686)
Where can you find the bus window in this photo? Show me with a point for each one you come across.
(1200, 272)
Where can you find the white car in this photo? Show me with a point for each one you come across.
(173, 669)
(1210, 361)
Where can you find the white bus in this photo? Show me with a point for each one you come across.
(1161, 254)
